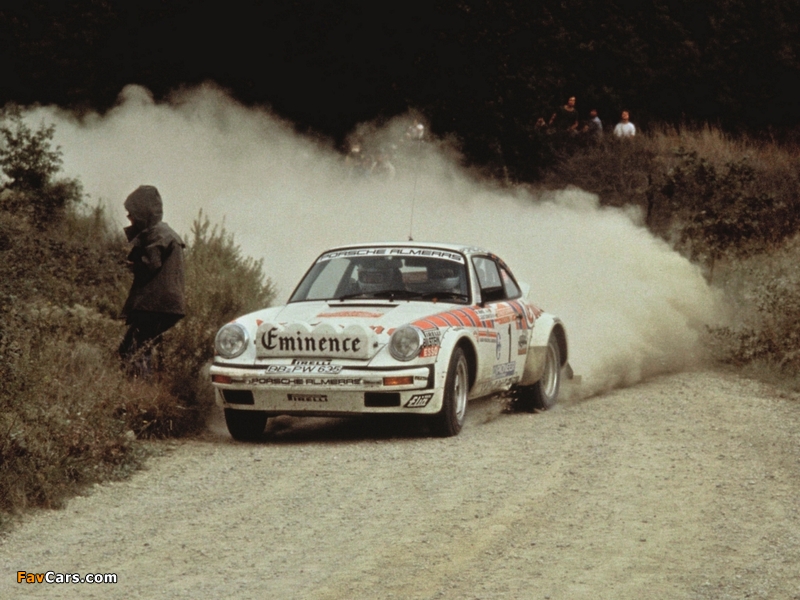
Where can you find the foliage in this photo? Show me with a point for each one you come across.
(766, 330)
(68, 414)
(483, 70)
(26, 156)
(75, 261)
(730, 204)
(617, 170)
(58, 407)
(725, 213)
(221, 285)
(29, 163)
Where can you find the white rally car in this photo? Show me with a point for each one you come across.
(407, 328)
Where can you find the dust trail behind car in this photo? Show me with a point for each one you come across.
(632, 305)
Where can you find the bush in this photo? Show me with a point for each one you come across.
(724, 213)
(713, 198)
(29, 163)
(59, 406)
(766, 291)
(68, 415)
(74, 261)
(619, 171)
(221, 284)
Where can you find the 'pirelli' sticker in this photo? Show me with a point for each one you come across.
(307, 398)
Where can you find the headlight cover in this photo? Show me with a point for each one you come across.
(406, 343)
(231, 340)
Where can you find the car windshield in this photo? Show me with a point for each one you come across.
(392, 273)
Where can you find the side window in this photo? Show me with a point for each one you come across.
(489, 279)
(512, 290)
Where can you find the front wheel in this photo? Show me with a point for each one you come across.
(544, 393)
(245, 425)
(450, 419)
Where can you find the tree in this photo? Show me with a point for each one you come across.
(29, 163)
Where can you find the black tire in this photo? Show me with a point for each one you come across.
(245, 425)
(449, 421)
(543, 394)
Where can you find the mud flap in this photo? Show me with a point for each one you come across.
(570, 374)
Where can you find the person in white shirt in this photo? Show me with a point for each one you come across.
(625, 128)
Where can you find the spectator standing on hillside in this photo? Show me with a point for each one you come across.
(594, 125)
(156, 300)
(625, 128)
(566, 117)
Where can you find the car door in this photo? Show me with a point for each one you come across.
(499, 302)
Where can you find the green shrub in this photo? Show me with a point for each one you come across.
(29, 163)
(619, 171)
(76, 260)
(68, 414)
(26, 156)
(59, 405)
(765, 289)
(735, 200)
(724, 213)
(221, 284)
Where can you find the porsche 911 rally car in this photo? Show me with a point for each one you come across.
(407, 328)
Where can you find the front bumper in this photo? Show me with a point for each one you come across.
(349, 391)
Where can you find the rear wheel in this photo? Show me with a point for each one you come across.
(450, 419)
(245, 425)
(544, 393)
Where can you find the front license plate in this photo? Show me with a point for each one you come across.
(295, 369)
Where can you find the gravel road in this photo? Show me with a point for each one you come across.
(686, 486)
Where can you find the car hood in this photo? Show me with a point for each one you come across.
(348, 330)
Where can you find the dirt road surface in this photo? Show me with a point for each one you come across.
(686, 486)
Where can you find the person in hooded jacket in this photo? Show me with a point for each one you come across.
(156, 300)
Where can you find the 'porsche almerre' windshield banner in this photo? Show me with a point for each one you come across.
(392, 251)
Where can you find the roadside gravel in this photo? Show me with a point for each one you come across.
(686, 486)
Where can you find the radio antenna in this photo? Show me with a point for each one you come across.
(413, 198)
(417, 131)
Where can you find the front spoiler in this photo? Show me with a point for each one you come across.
(350, 391)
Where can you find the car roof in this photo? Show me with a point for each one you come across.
(461, 248)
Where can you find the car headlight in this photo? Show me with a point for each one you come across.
(406, 343)
(231, 340)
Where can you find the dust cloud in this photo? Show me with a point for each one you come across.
(633, 307)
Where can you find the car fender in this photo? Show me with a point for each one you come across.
(545, 324)
(451, 339)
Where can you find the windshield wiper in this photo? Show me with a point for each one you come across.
(405, 295)
(355, 295)
(443, 295)
(391, 294)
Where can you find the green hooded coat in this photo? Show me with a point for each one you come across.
(156, 257)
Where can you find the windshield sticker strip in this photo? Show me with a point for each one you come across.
(393, 251)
